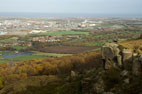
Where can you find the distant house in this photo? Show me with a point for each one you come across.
(92, 25)
(73, 36)
(46, 39)
(35, 31)
(28, 31)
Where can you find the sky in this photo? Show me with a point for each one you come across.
(73, 6)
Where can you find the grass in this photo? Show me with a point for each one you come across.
(131, 44)
(26, 57)
(50, 54)
(61, 33)
(51, 85)
(106, 25)
(99, 36)
(9, 40)
(20, 47)
(94, 43)
(22, 58)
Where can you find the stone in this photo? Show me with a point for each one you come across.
(124, 73)
(73, 74)
(107, 52)
(116, 51)
(135, 54)
(127, 55)
(136, 66)
(110, 50)
(127, 81)
(116, 56)
(110, 55)
(119, 60)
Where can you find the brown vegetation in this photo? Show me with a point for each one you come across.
(11, 73)
(131, 44)
(66, 49)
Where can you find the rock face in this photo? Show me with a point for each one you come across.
(111, 55)
(116, 57)
(110, 51)
(127, 55)
(137, 65)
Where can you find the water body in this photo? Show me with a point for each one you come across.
(67, 15)
(17, 55)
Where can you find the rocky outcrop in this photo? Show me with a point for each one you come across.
(137, 65)
(114, 55)
(127, 55)
(111, 55)
(110, 50)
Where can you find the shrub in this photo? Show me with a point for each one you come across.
(1, 83)
(111, 78)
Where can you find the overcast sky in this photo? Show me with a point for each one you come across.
(72, 6)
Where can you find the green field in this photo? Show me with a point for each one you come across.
(61, 33)
(22, 58)
(97, 43)
(36, 55)
(10, 40)
(94, 43)
(20, 47)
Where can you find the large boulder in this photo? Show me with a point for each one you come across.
(110, 50)
(114, 56)
(110, 55)
(127, 55)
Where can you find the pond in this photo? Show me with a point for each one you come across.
(17, 55)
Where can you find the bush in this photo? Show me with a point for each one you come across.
(134, 87)
(111, 79)
(1, 83)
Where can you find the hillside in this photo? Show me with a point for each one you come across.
(42, 74)
(131, 44)
(115, 70)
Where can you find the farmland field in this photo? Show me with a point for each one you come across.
(20, 47)
(35, 55)
(66, 49)
(60, 33)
